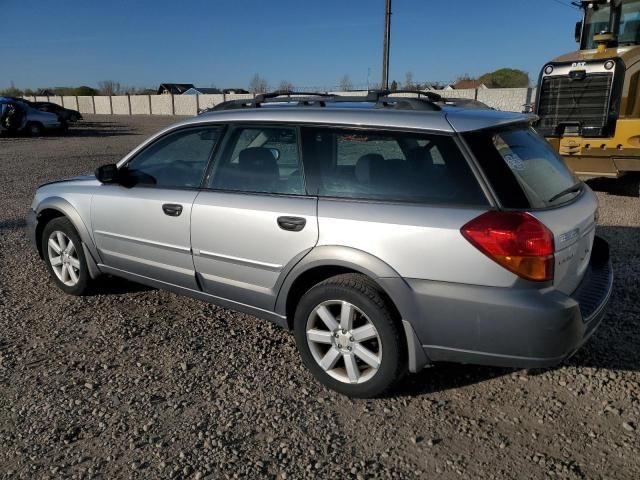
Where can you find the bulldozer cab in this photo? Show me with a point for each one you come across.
(613, 22)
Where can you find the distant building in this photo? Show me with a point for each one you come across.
(174, 88)
(201, 91)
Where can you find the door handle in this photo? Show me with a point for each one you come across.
(172, 209)
(292, 224)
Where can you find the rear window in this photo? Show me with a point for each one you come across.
(523, 168)
(393, 166)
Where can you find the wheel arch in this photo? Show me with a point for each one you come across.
(327, 261)
(318, 265)
(54, 207)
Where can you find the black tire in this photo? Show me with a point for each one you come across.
(366, 296)
(83, 284)
(34, 129)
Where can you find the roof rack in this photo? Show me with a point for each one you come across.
(434, 97)
(380, 98)
(261, 97)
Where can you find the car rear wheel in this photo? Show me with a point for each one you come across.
(34, 129)
(348, 338)
(64, 257)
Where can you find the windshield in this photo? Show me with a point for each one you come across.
(523, 168)
(622, 19)
(629, 27)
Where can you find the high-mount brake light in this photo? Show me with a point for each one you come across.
(516, 240)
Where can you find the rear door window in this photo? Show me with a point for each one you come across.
(260, 159)
(523, 168)
(393, 166)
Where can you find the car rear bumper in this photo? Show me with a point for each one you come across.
(510, 327)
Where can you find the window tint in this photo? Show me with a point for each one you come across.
(177, 160)
(261, 160)
(629, 33)
(350, 147)
(389, 166)
(597, 20)
(523, 168)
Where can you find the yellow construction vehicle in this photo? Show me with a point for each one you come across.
(589, 100)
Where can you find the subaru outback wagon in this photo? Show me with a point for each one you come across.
(388, 233)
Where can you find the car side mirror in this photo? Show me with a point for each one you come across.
(578, 31)
(107, 173)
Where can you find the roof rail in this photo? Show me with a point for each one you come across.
(434, 97)
(261, 97)
(380, 98)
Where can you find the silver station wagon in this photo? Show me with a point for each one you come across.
(389, 233)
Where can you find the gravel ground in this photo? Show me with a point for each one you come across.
(141, 383)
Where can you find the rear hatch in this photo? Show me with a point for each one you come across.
(574, 228)
(526, 174)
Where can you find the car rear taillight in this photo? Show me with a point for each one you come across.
(518, 241)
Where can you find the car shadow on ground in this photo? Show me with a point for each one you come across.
(99, 129)
(627, 186)
(109, 285)
(12, 223)
(81, 130)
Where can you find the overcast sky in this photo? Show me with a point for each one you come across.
(306, 42)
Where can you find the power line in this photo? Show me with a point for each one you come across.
(569, 5)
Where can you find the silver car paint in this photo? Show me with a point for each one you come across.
(250, 265)
(574, 228)
(133, 234)
(72, 198)
(238, 248)
(48, 120)
(432, 234)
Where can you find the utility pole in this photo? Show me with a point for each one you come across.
(387, 44)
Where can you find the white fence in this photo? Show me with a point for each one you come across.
(507, 99)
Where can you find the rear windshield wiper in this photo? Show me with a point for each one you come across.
(574, 188)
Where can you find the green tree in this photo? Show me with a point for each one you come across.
(394, 86)
(63, 91)
(12, 91)
(506, 78)
(85, 91)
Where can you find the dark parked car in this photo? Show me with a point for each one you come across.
(65, 115)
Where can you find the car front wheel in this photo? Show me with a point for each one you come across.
(348, 337)
(64, 257)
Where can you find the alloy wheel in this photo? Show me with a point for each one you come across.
(344, 342)
(63, 258)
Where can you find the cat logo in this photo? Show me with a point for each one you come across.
(578, 64)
